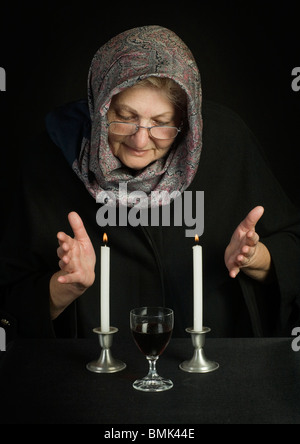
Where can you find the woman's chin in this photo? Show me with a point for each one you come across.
(135, 163)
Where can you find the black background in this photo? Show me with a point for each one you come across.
(245, 52)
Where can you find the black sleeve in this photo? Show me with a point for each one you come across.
(28, 246)
(279, 230)
(242, 180)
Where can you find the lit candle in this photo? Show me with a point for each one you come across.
(198, 284)
(104, 289)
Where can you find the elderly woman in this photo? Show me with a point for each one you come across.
(145, 126)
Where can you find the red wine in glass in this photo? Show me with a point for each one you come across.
(152, 339)
(152, 328)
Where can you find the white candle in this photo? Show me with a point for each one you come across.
(104, 288)
(198, 287)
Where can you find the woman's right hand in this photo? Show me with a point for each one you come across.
(77, 267)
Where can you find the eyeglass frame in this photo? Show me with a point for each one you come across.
(149, 128)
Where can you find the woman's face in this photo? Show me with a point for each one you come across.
(143, 106)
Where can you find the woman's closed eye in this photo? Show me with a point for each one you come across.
(126, 118)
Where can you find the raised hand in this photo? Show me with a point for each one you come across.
(77, 266)
(77, 255)
(245, 251)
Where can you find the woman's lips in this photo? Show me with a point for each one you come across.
(136, 152)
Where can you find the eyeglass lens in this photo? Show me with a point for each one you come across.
(128, 129)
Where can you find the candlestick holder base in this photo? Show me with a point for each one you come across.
(199, 363)
(106, 363)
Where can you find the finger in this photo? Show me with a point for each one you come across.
(62, 279)
(64, 264)
(234, 272)
(252, 218)
(60, 253)
(62, 237)
(242, 260)
(69, 278)
(252, 238)
(246, 250)
(65, 242)
(63, 252)
(65, 259)
(77, 226)
(65, 279)
(63, 248)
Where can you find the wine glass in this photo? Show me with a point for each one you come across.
(152, 328)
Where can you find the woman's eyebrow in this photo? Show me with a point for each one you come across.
(121, 107)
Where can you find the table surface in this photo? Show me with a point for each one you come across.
(46, 382)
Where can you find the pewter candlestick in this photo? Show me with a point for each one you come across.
(199, 363)
(106, 363)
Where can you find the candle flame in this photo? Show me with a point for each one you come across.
(197, 238)
(105, 238)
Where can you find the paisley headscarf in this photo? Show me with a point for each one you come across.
(124, 60)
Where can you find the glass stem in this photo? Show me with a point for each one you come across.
(152, 367)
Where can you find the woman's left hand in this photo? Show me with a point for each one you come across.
(245, 252)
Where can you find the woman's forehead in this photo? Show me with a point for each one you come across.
(149, 101)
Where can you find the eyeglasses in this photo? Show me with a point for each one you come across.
(162, 132)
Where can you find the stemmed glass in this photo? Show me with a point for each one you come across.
(152, 328)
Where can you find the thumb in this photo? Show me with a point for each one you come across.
(77, 226)
(252, 218)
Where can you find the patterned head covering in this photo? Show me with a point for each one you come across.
(124, 60)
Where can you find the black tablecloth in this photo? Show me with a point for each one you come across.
(46, 382)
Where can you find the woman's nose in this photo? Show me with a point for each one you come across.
(141, 138)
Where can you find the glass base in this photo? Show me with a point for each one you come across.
(153, 385)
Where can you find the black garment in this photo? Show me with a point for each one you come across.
(153, 265)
